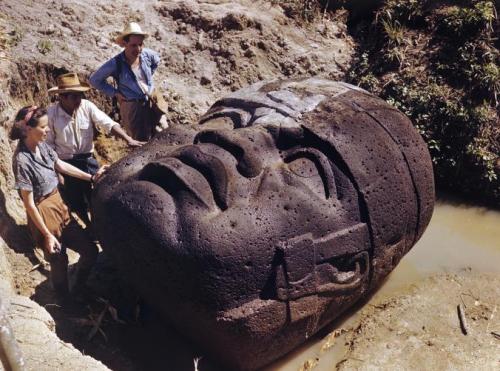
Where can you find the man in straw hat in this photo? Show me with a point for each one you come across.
(141, 107)
(71, 122)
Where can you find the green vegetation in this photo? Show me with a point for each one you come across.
(438, 62)
(301, 10)
(44, 46)
(15, 36)
(12, 38)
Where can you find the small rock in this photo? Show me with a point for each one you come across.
(249, 53)
(67, 25)
(262, 46)
(244, 44)
(49, 30)
(282, 43)
(205, 80)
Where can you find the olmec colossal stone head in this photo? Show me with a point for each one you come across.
(284, 205)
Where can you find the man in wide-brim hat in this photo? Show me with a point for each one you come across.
(69, 82)
(141, 107)
(71, 121)
(131, 28)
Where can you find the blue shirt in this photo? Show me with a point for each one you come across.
(119, 69)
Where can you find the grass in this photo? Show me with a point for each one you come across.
(44, 46)
(394, 32)
(11, 38)
(15, 36)
(439, 64)
(300, 10)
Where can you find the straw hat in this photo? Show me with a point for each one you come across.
(68, 82)
(130, 29)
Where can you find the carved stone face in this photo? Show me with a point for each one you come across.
(261, 224)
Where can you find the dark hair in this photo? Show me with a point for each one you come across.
(17, 131)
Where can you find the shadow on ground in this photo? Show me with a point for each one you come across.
(16, 236)
(114, 326)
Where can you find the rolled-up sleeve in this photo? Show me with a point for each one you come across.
(98, 78)
(155, 60)
(23, 179)
(102, 121)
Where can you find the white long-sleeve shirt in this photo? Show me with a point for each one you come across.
(70, 135)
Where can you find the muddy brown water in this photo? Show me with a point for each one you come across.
(458, 237)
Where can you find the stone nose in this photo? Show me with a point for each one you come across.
(252, 149)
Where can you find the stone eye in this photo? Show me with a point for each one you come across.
(314, 170)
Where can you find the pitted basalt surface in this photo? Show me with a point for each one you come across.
(284, 205)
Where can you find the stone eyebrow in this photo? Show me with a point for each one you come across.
(321, 162)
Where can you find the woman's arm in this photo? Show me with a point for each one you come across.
(68, 169)
(51, 244)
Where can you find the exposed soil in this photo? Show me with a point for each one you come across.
(420, 328)
(208, 48)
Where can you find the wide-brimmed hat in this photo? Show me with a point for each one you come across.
(130, 29)
(69, 82)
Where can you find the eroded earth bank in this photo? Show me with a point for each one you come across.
(208, 48)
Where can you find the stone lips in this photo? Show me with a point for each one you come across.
(287, 203)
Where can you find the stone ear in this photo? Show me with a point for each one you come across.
(295, 277)
(337, 262)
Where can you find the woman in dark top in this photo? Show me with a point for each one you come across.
(35, 165)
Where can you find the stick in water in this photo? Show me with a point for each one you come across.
(461, 317)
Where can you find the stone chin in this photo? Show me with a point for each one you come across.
(254, 228)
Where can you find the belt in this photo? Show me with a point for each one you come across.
(141, 100)
(81, 156)
(44, 197)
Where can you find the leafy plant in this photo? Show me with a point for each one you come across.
(394, 32)
(439, 64)
(303, 10)
(467, 22)
(405, 10)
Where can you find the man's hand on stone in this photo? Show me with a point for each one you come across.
(135, 143)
